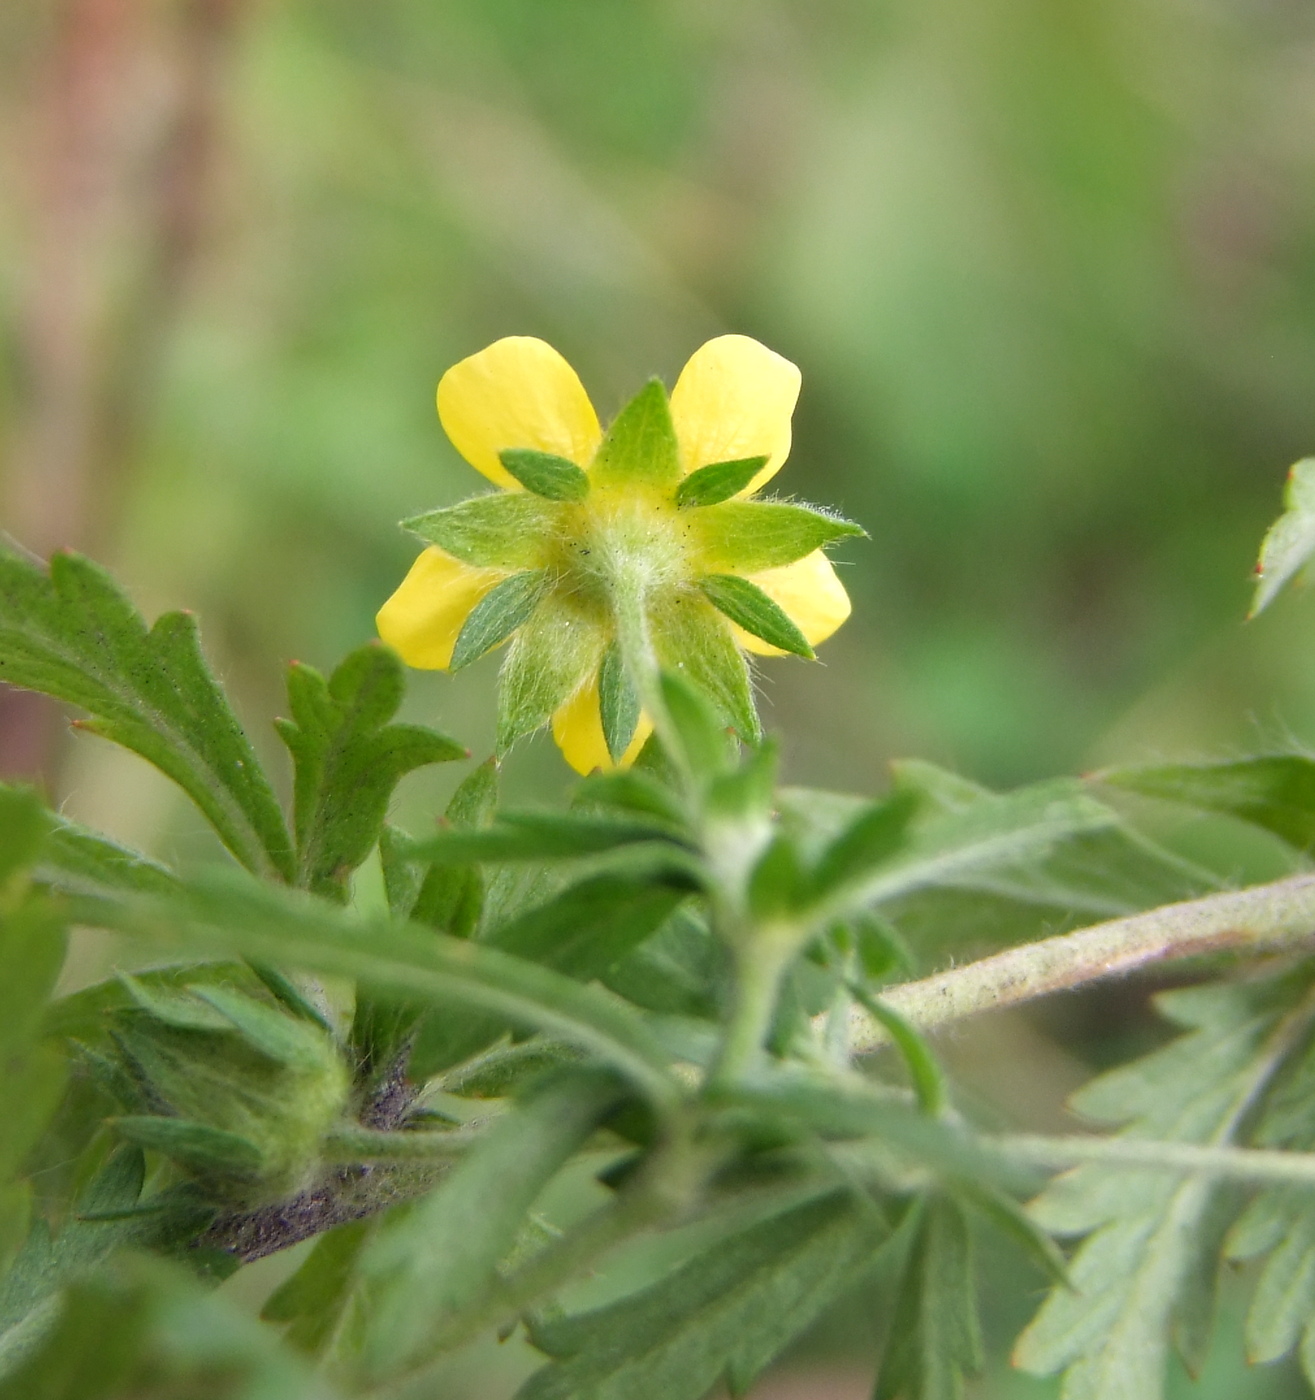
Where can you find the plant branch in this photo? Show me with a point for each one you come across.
(1240, 1163)
(1265, 918)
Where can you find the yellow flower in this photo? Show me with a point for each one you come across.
(646, 536)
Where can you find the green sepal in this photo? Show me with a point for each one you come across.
(197, 1146)
(507, 530)
(497, 615)
(693, 640)
(348, 759)
(618, 703)
(287, 1040)
(640, 446)
(745, 536)
(718, 482)
(547, 475)
(550, 657)
(746, 604)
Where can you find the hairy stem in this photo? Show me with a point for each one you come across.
(1265, 918)
(1240, 1163)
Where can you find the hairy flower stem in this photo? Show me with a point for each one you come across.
(1265, 918)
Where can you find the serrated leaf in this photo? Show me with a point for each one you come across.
(693, 642)
(549, 658)
(497, 615)
(1275, 791)
(717, 482)
(744, 537)
(618, 703)
(397, 961)
(748, 606)
(443, 1257)
(506, 530)
(722, 1315)
(1145, 1273)
(640, 445)
(935, 1336)
(1290, 542)
(71, 634)
(348, 759)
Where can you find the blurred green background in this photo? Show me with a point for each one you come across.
(1048, 269)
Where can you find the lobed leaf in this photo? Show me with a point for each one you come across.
(348, 758)
(723, 1315)
(1288, 546)
(71, 634)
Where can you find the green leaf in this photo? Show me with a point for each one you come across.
(72, 634)
(547, 475)
(24, 827)
(745, 536)
(504, 530)
(1275, 791)
(874, 837)
(451, 898)
(550, 657)
(27, 1291)
(924, 1070)
(640, 445)
(719, 481)
(634, 792)
(746, 604)
(348, 760)
(1288, 546)
(693, 642)
(618, 703)
(723, 1315)
(1145, 1272)
(497, 615)
(589, 927)
(541, 836)
(680, 970)
(443, 1257)
(195, 1145)
(80, 861)
(935, 1337)
(778, 883)
(316, 1298)
(397, 961)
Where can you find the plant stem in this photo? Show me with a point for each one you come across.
(1240, 1163)
(350, 1144)
(1265, 918)
(759, 964)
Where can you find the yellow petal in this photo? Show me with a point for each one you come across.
(519, 392)
(578, 729)
(810, 594)
(733, 400)
(422, 619)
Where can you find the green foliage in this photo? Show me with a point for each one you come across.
(717, 482)
(70, 633)
(640, 445)
(348, 758)
(499, 531)
(1145, 1275)
(746, 536)
(745, 603)
(497, 615)
(549, 658)
(554, 478)
(1288, 546)
(722, 1316)
(1275, 791)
